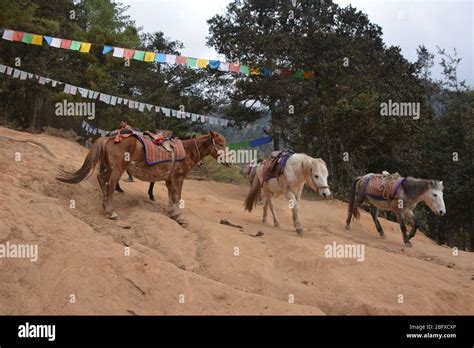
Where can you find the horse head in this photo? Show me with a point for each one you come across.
(219, 148)
(433, 197)
(316, 174)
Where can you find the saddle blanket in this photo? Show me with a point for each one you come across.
(274, 167)
(381, 188)
(154, 153)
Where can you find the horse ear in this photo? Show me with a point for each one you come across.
(432, 183)
(212, 134)
(441, 183)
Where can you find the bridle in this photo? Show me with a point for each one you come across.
(197, 148)
(312, 181)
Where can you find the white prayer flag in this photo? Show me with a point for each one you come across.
(16, 73)
(170, 58)
(119, 100)
(9, 70)
(149, 106)
(23, 75)
(8, 35)
(54, 83)
(224, 66)
(118, 52)
(83, 123)
(3, 68)
(141, 107)
(131, 104)
(224, 122)
(113, 100)
(83, 92)
(55, 42)
(73, 90)
(166, 111)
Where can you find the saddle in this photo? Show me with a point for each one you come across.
(275, 165)
(163, 138)
(383, 186)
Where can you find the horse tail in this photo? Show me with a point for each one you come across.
(254, 194)
(353, 208)
(96, 154)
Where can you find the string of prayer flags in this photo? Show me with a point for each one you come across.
(148, 56)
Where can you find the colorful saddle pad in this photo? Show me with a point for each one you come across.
(383, 189)
(157, 154)
(275, 166)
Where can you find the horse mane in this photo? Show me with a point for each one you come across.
(415, 187)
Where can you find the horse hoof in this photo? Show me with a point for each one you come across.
(408, 244)
(300, 231)
(277, 225)
(114, 216)
(348, 227)
(264, 221)
(183, 222)
(152, 198)
(383, 236)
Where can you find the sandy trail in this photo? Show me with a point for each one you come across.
(171, 270)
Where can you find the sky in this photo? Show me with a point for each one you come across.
(445, 23)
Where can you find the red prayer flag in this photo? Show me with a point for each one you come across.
(286, 72)
(18, 36)
(181, 60)
(128, 53)
(65, 43)
(234, 67)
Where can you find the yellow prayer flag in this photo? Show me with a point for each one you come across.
(85, 47)
(255, 70)
(149, 57)
(37, 39)
(202, 63)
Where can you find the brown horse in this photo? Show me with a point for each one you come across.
(129, 155)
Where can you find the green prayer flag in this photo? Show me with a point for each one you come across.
(241, 145)
(75, 45)
(192, 62)
(27, 38)
(139, 55)
(298, 73)
(244, 69)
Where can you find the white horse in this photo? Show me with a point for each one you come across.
(300, 169)
(411, 192)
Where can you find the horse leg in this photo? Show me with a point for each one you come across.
(403, 228)
(375, 216)
(178, 182)
(111, 183)
(171, 188)
(265, 208)
(414, 224)
(295, 211)
(150, 191)
(276, 222)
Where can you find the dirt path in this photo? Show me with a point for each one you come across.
(171, 270)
